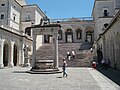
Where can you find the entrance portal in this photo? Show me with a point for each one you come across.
(89, 36)
(5, 55)
(69, 35)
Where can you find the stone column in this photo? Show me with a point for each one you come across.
(74, 38)
(1, 53)
(83, 35)
(55, 41)
(11, 54)
(22, 54)
(63, 36)
(34, 52)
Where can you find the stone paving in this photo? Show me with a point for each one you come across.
(78, 79)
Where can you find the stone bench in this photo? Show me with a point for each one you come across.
(44, 64)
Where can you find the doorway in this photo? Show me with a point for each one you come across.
(69, 36)
(5, 55)
(15, 55)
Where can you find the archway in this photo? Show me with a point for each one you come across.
(89, 33)
(60, 34)
(89, 36)
(69, 35)
(5, 54)
(15, 55)
(28, 31)
(78, 34)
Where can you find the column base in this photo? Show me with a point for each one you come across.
(44, 71)
(11, 65)
(1, 65)
(27, 65)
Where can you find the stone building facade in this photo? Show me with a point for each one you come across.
(15, 40)
(106, 14)
(74, 30)
(16, 37)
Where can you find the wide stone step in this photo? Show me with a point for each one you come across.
(47, 52)
(44, 71)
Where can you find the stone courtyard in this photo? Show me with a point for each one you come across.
(78, 79)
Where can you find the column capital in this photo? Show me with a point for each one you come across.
(12, 42)
(1, 41)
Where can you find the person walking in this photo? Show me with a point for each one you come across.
(64, 68)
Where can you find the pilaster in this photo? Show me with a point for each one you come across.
(1, 53)
(11, 54)
(34, 51)
(55, 41)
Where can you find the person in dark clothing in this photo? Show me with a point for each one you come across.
(64, 68)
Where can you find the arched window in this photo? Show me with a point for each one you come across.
(106, 24)
(60, 35)
(79, 34)
(28, 31)
(105, 12)
(69, 35)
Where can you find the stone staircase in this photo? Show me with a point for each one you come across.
(83, 56)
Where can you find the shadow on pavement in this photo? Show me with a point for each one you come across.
(112, 74)
(59, 77)
(19, 72)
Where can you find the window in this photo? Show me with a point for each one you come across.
(60, 35)
(106, 24)
(2, 4)
(79, 34)
(28, 17)
(105, 13)
(2, 16)
(14, 17)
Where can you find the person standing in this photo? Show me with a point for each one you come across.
(103, 63)
(64, 68)
(94, 64)
(73, 54)
(68, 56)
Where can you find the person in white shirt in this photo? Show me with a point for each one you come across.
(73, 54)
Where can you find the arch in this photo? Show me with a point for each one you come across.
(65, 27)
(15, 54)
(69, 35)
(28, 31)
(6, 49)
(78, 34)
(76, 27)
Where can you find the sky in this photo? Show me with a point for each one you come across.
(65, 8)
